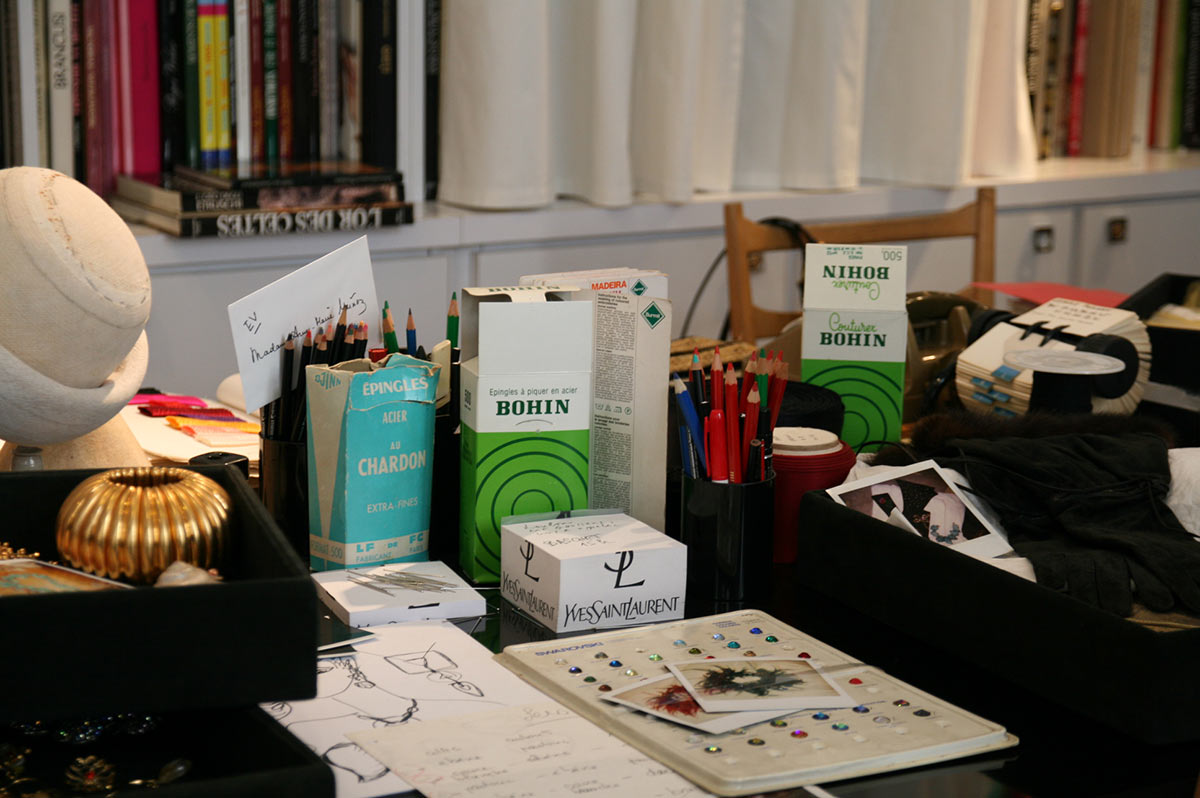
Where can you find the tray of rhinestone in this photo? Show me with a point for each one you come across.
(887, 725)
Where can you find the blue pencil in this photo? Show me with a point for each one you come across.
(691, 419)
(410, 335)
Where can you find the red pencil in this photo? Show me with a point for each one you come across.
(777, 392)
(749, 427)
(717, 372)
(748, 376)
(732, 439)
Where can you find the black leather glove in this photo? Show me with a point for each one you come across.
(1092, 506)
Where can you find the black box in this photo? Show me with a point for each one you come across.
(241, 752)
(1139, 682)
(248, 640)
(1172, 350)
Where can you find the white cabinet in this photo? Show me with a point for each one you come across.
(1124, 246)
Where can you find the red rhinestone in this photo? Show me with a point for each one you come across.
(804, 655)
(856, 680)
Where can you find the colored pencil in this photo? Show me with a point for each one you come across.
(410, 334)
(696, 384)
(732, 440)
(763, 374)
(339, 335)
(688, 410)
(287, 363)
(747, 378)
(360, 340)
(717, 373)
(781, 374)
(749, 426)
(452, 320)
(390, 342)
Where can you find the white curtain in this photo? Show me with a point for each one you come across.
(616, 100)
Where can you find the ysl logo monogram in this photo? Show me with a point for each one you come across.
(623, 564)
(527, 553)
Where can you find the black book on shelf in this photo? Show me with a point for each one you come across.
(171, 194)
(308, 173)
(172, 123)
(379, 83)
(305, 124)
(1189, 113)
(433, 74)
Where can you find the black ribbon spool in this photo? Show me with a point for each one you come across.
(1111, 386)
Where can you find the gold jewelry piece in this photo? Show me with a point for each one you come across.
(90, 774)
(7, 552)
(134, 522)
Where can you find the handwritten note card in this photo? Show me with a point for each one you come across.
(305, 299)
(532, 749)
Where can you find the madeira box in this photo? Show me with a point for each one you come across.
(526, 404)
(595, 569)
(855, 334)
(370, 461)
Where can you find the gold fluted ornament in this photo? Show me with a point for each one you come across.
(132, 523)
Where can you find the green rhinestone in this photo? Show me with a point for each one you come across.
(589, 679)
(771, 639)
(756, 741)
(734, 644)
(695, 651)
(656, 657)
(779, 723)
(713, 749)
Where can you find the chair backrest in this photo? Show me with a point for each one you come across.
(745, 239)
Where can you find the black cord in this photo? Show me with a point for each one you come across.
(800, 236)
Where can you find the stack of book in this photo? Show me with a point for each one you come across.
(295, 198)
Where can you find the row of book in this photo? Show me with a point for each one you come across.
(1111, 77)
(136, 87)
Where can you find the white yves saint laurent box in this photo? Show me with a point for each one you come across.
(595, 569)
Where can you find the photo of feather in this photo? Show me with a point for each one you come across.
(664, 697)
(738, 685)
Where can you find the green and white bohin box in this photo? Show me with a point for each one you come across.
(855, 334)
(526, 401)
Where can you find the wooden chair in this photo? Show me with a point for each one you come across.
(745, 240)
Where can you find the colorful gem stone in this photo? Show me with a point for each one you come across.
(756, 741)
(779, 723)
(560, 661)
(710, 656)
(840, 727)
(574, 669)
(856, 680)
(922, 713)
(900, 702)
(656, 657)
(718, 636)
(599, 655)
(881, 719)
(614, 663)
(821, 716)
(756, 631)
(799, 733)
(694, 651)
(713, 749)
(630, 672)
(589, 679)
(804, 655)
(604, 688)
(733, 644)
(749, 654)
(860, 709)
(680, 643)
(772, 639)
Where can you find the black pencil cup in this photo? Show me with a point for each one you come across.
(728, 529)
(443, 510)
(283, 485)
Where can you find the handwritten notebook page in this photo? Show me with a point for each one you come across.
(533, 749)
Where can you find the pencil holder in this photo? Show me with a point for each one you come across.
(283, 485)
(728, 529)
(443, 510)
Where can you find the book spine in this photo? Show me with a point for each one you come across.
(271, 80)
(304, 81)
(433, 69)
(251, 224)
(328, 90)
(1144, 86)
(1035, 63)
(124, 95)
(258, 131)
(191, 82)
(283, 47)
(93, 120)
(110, 97)
(350, 62)
(58, 41)
(1189, 117)
(1078, 78)
(379, 82)
(1181, 43)
(41, 81)
(207, 29)
(224, 117)
(141, 90)
(172, 125)
(241, 80)
(78, 115)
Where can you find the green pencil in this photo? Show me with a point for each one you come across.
(389, 331)
(452, 320)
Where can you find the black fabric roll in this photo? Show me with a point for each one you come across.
(806, 405)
